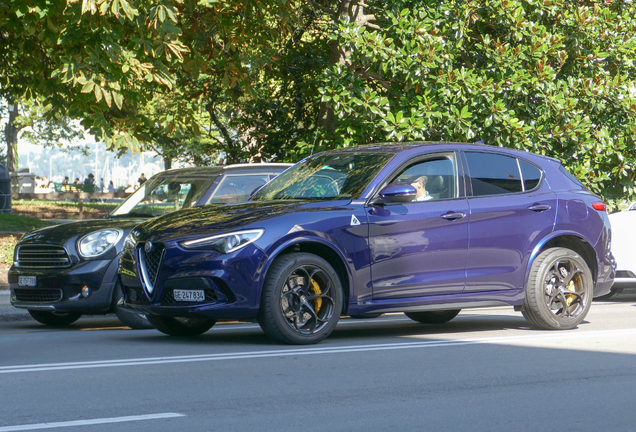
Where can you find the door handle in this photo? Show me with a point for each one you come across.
(539, 207)
(454, 215)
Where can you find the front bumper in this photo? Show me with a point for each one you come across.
(230, 283)
(61, 289)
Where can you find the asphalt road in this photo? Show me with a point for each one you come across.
(484, 371)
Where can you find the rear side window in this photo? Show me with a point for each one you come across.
(531, 175)
(493, 174)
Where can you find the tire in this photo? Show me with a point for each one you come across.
(134, 320)
(181, 326)
(559, 292)
(301, 300)
(433, 317)
(55, 319)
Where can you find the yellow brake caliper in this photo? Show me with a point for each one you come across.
(570, 297)
(315, 288)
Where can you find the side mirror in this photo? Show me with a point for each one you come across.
(396, 193)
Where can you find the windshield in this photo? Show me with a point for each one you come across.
(164, 194)
(327, 176)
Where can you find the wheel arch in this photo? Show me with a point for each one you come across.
(571, 241)
(318, 247)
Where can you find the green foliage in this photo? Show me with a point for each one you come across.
(279, 79)
(549, 76)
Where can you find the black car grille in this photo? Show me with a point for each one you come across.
(42, 256)
(150, 263)
(136, 295)
(168, 297)
(38, 295)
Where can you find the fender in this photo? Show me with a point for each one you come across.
(546, 239)
(297, 240)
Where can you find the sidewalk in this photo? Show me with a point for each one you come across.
(8, 312)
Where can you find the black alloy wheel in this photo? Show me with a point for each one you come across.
(301, 301)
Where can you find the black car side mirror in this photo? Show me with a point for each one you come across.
(395, 193)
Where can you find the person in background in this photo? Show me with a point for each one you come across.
(111, 187)
(100, 185)
(142, 179)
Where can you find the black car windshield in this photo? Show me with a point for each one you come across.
(326, 177)
(164, 194)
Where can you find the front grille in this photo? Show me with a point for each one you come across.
(42, 256)
(150, 263)
(168, 298)
(136, 295)
(38, 295)
(625, 274)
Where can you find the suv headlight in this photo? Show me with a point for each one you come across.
(225, 243)
(98, 242)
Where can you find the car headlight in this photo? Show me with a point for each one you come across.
(225, 243)
(98, 242)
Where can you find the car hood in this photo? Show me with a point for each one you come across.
(58, 234)
(211, 219)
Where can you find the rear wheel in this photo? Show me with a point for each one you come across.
(301, 301)
(559, 292)
(55, 319)
(433, 317)
(181, 326)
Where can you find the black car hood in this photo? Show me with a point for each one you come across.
(58, 234)
(210, 219)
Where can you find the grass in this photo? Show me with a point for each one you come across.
(61, 209)
(7, 243)
(18, 224)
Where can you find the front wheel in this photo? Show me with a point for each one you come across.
(301, 301)
(181, 326)
(559, 292)
(433, 317)
(55, 319)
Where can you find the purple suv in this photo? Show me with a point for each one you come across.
(424, 228)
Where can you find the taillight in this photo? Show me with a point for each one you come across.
(600, 206)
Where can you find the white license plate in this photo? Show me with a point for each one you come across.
(27, 281)
(189, 295)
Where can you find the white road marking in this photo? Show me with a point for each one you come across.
(539, 335)
(89, 422)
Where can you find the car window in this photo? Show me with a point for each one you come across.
(434, 178)
(493, 174)
(164, 194)
(326, 176)
(237, 188)
(531, 175)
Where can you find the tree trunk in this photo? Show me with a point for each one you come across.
(167, 163)
(11, 138)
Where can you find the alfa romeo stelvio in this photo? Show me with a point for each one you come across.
(426, 229)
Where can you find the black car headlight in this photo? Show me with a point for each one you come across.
(225, 243)
(98, 242)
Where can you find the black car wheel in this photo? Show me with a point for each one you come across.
(181, 326)
(134, 320)
(301, 301)
(433, 317)
(56, 319)
(559, 292)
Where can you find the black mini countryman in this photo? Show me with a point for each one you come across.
(64, 271)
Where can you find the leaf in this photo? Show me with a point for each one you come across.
(98, 93)
(118, 99)
(88, 87)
